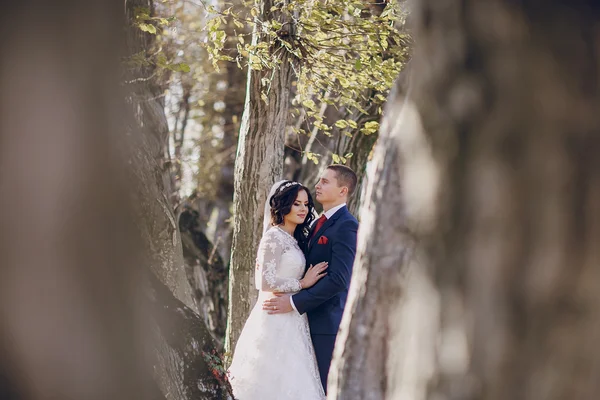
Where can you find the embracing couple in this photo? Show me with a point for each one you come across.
(303, 271)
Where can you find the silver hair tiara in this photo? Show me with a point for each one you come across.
(287, 185)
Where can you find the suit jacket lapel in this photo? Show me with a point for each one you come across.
(312, 229)
(325, 226)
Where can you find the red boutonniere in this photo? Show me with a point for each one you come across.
(323, 240)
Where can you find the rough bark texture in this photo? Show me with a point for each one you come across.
(207, 274)
(187, 363)
(204, 217)
(360, 145)
(184, 364)
(173, 165)
(364, 348)
(505, 285)
(160, 230)
(259, 163)
(234, 108)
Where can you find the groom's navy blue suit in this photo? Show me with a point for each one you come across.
(334, 242)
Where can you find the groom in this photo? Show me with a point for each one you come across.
(332, 239)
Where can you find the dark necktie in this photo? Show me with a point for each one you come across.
(320, 223)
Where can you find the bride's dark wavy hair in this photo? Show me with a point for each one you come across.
(281, 204)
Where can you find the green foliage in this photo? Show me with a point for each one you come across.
(314, 157)
(203, 98)
(370, 127)
(149, 24)
(216, 365)
(162, 62)
(345, 55)
(337, 159)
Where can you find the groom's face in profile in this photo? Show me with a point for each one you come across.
(327, 189)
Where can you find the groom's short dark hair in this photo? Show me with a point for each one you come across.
(345, 176)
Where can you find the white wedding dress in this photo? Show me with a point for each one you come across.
(274, 356)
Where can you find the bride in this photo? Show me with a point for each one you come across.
(274, 356)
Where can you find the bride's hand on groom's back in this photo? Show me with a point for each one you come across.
(313, 274)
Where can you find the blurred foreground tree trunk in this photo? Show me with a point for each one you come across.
(86, 286)
(71, 299)
(259, 162)
(492, 287)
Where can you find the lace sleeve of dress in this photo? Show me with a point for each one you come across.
(270, 251)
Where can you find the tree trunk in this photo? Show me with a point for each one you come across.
(174, 165)
(259, 162)
(205, 217)
(360, 146)
(185, 363)
(502, 189)
(207, 274)
(70, 311)
(324, 145)
(360, 365)
(161, 231)
(234, 107)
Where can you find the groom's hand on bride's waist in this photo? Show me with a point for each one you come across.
(280, 304)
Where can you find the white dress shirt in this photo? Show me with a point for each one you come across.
(329, 213)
